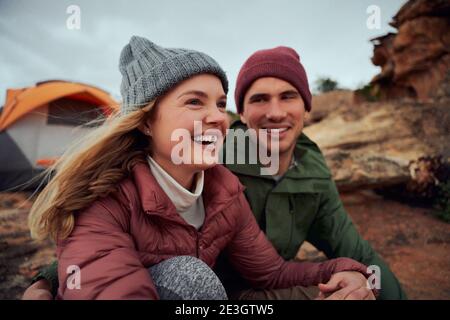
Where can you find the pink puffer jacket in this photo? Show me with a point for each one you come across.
(118, 237)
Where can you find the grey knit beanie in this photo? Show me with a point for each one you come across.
(149, 71)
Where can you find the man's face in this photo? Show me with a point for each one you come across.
(274, 104)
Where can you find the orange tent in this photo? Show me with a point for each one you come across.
(39, 122)
(21, 101)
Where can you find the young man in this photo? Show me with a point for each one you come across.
(300, 201)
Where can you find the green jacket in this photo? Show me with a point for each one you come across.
(305, 205)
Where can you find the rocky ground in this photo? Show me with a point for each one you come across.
(414, 243)
(20, 257)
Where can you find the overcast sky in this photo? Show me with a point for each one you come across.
(331, 36)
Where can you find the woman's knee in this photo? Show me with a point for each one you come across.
(186, 278)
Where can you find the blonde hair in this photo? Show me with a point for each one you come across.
(89, 169)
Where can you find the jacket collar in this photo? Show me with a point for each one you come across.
(310, 161)
(220, 188)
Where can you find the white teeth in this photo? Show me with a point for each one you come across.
(279, 130)
(205, 138)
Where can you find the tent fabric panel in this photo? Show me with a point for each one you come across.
(26, 133)
(11, 157)
(54, 139)
(20, 180)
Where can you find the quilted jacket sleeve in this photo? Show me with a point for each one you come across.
(109, 264)
(253, 255)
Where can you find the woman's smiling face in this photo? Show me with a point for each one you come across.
(190, 121)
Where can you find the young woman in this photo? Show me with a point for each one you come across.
(132, 222)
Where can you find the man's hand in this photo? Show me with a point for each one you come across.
(347, 285)
(40, 290)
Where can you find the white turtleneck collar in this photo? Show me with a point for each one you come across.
(189, 205)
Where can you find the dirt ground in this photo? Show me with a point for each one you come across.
(20, 257)
(413, 242)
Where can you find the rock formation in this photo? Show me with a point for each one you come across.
(416, 59)
(376, 144)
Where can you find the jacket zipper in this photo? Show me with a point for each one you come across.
(196, 243)
(292, 214)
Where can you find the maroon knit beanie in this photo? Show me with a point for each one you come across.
(280, 62)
